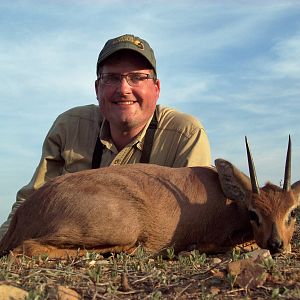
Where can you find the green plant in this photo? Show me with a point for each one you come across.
(156, 295)
(95, 273)
(236, 254)
(170, 253)
(231, 279)
(269, 265)
(197, 258)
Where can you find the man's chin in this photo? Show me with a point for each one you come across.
(127, 114)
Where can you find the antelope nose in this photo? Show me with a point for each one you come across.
(275, 245)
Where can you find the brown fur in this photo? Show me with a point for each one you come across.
(273, 206)
(117, 208)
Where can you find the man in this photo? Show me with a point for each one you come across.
(127, 127)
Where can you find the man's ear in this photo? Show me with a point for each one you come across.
(235, 184)
(157, 83)
(96, 90)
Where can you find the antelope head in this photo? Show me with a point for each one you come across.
(271, 209)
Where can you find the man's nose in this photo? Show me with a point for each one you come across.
(123, 86)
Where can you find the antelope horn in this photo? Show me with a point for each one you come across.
(287, 172)
(254, 183)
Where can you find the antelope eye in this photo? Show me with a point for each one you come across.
(292, 215)
(253, 217)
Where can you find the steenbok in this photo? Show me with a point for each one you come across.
(117, 208)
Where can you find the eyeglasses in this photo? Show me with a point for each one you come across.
(133, 79)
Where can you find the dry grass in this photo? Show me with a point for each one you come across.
(189, 276)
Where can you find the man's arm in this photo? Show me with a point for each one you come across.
(50, 166)
(68, 147)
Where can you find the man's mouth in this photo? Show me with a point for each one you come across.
(124, 102)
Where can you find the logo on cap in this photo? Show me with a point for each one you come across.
(129, 39)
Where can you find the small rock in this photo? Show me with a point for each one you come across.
(259, 255)
(235, 268)
(217, 260)
(214, 290)
(248, 273)
(8, 292)
(64, 293)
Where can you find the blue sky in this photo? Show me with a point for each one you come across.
(235, 65)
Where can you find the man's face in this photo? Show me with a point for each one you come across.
(125, 106)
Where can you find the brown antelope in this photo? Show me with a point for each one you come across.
(117, 208)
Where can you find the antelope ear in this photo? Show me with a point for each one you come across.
(296, 190)
(235, 184)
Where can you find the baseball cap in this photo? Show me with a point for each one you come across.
(127, 42)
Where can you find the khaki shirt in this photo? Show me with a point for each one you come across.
(180, 140)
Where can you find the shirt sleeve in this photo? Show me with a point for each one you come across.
(194, 151)
(180, 140)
